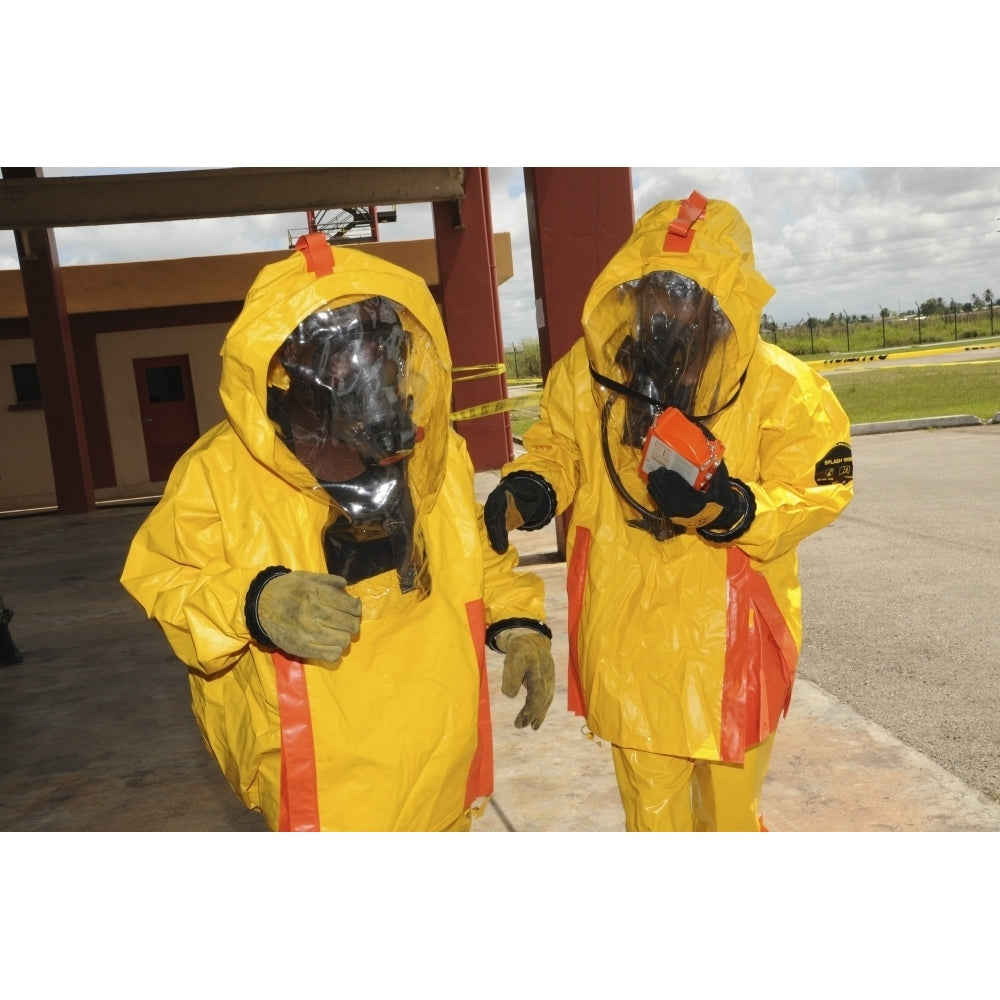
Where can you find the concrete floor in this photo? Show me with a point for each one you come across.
(96, 732)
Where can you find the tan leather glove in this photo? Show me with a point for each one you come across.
(528, 663)
(309, 615)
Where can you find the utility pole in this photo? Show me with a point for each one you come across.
(919, 341)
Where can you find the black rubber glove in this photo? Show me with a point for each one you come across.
(522, 500)
(721, 513)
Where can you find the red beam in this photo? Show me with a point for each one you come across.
(53, 343)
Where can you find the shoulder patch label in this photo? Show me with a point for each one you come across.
(836, 466)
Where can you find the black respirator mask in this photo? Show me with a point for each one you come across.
(664, 359)
(347, 416)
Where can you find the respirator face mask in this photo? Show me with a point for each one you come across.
(677, 326)
(348, 381)
(347, 416)
(671, 359)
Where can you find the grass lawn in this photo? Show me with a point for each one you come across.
(925, 391)
(878, 394)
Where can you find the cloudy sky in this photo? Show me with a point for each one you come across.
(828, 239)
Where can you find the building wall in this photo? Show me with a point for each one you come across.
(116, 352)
(25, 466)
(26, 479)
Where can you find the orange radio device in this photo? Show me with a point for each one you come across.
(677, 443)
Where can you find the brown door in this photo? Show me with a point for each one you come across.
(166, 406)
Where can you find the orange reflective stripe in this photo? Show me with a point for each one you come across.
(299, 800)
(761, 657)
(318, 253)
(779, 656)
(679, 232)
(480, 781)
(734, 681)
(576, 576)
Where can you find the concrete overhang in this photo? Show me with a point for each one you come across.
(29, 202)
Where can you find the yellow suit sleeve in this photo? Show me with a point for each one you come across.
(507, 591)
(178, 573)
(551, 442)
(801, 424)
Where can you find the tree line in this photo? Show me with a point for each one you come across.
(932, 320)
(928, 308)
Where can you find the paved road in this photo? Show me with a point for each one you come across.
(899, 596)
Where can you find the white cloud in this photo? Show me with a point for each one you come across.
(855, 239)
(828, 239)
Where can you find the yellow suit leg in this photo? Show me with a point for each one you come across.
(727, 796)
(655, 790)
(664, 794)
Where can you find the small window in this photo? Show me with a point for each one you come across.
(165, 385)
(26, 385)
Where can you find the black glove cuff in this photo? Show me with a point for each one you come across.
(264, 577)
(733, 522)
(534, 496)
(498, 628)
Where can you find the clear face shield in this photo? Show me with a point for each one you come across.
(348, 385)
(342, 397)
(675, 349)
(667, 346)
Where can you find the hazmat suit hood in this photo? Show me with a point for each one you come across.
(675, 244)
(672, 321)
(289, 299)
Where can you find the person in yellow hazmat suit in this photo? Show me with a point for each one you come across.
(10, 655)
(692, 458)
(320, 563)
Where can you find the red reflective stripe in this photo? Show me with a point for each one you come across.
(679, 232)
(318, 253)
(576, 576)
(299, 798)
(480, 781)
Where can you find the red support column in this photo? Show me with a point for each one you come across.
(577, 218)
(471, 304)
(53, 343)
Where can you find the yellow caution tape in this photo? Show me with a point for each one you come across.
(481, 371)
(488, 409)
(894, 355)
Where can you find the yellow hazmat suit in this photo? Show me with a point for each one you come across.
(681, 645)
(396, 735)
